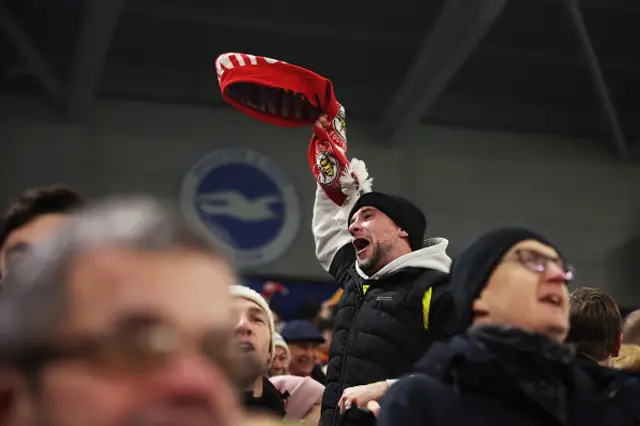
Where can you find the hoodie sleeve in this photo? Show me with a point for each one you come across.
(332, 239)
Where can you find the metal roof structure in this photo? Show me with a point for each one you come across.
(563, 67)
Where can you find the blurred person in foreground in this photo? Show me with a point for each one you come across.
(31, 218)
(123, 318)
(304, 339)
(595, 327)
(511, 366)
(396, 300)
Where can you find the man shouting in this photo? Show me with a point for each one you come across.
(396, 297)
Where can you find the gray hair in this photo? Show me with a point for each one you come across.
(34, 301)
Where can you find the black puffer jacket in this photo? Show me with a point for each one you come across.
(383, 323)
(500, 376)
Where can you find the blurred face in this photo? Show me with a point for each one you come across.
(252, 340)
(159, 327)
(376, 239)
(280, 364)
(303, 358)
(527, 290)
(33, 232)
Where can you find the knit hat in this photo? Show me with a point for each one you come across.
(279, 342)
(402, 211)
(471, 269)
(255, 297)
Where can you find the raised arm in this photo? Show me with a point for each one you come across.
(330, 235)
(340, 183)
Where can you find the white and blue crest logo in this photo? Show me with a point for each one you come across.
(244, 199)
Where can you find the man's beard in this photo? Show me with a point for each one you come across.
(372, 265)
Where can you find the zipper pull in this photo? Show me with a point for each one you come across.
(361, 291)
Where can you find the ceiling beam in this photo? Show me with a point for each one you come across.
(341, 34)
(555, 58)
(599, 84)
(37, 64)
(210, 17)
(630, 7)
(454, 109)
(454, 36)
(99, 23)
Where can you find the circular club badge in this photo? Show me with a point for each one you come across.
(245, 200)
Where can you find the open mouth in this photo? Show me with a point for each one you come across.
(552, 299)
(360, 244)
(245, 347)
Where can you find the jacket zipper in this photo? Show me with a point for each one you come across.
(334, 422)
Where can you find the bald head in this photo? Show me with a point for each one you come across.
(631, 328)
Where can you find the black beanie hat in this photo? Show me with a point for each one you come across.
(471, 269)
(402, 211)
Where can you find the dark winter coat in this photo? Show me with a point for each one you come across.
(499, 376)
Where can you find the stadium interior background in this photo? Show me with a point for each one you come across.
(484, 112)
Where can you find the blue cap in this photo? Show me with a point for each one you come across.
(299, 331)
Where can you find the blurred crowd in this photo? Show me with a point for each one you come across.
(119, 312)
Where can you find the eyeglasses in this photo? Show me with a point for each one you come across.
(137, 344)
(539, 263)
